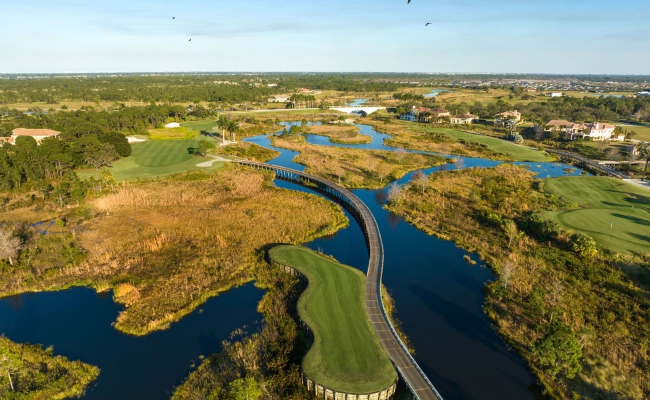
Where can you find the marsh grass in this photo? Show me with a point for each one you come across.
(165, 247)
(355, 168)
(249, 151)
(340, 133)
(604, 299)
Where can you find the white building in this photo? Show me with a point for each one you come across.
(464, 119)
(173, 125)
(555, 94)
(594, 130)
(279, 99)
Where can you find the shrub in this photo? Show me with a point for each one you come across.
(584, 245)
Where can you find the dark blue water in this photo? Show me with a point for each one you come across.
(438, 295)
(77, 323)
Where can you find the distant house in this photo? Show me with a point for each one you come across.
(37, 134)
(530, 90)
(279, 99)
(433, 115)
(173, 125)
(643, 93)
(557, 125)
(272, 85)
(516, 115)
(555, 94)
(593, 130)
(464, 119)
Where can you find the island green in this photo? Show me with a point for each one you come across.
(346, 355)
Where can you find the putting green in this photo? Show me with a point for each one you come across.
(615, 213)
(346, 355)
(155, 159)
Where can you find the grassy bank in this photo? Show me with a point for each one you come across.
(165, 247)
(615, 213)
(343, 134)
(37, 374)
(346, 354)
(156, 159)
(580, 318)
(427, 137)
(355, 168)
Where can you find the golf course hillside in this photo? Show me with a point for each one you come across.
(615, 213)
(158, 158)
(346, 356)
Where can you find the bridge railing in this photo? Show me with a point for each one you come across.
(390, 323)
(366, 219)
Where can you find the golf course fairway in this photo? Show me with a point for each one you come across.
(346, 356)
(615, 213)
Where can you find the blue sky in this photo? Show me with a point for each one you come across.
(547, 36)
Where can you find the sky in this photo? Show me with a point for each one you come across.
(465, 36)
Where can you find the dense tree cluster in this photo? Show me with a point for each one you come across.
(230, 89)
(571, 108)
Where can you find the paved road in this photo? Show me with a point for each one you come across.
(402, 359)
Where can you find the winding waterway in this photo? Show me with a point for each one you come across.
(438, 295)
(77, 323)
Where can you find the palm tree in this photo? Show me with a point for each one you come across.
(232, 128)
(222, 123)
(643, 149)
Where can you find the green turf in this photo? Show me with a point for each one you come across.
(518, 153)
(346, 355)
(156, 159)
(602, 201)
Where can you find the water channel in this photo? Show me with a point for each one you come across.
(438, 295)
(77, 323)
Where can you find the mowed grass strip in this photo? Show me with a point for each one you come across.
(615, 213)
(346, 355)
(155, 159)
(518, 153)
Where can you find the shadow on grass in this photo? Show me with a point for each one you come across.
(636, 220)
(645, 238)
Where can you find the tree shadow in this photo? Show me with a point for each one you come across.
(636, 220)
(645, 238)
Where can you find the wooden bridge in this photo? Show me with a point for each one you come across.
(587, 164)
(405, 364)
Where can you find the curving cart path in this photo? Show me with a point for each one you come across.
(407, 367)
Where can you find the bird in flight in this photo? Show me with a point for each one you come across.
(428, 23)
(409, 2)
(173, 17)
(190, 40)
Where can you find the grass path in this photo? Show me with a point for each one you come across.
(346, 354)
(518, 153)
(615, 213)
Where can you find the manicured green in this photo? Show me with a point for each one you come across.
(346, 355)
(603, 201)
(156, 159)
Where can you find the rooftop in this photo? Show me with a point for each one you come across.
(34, 132)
